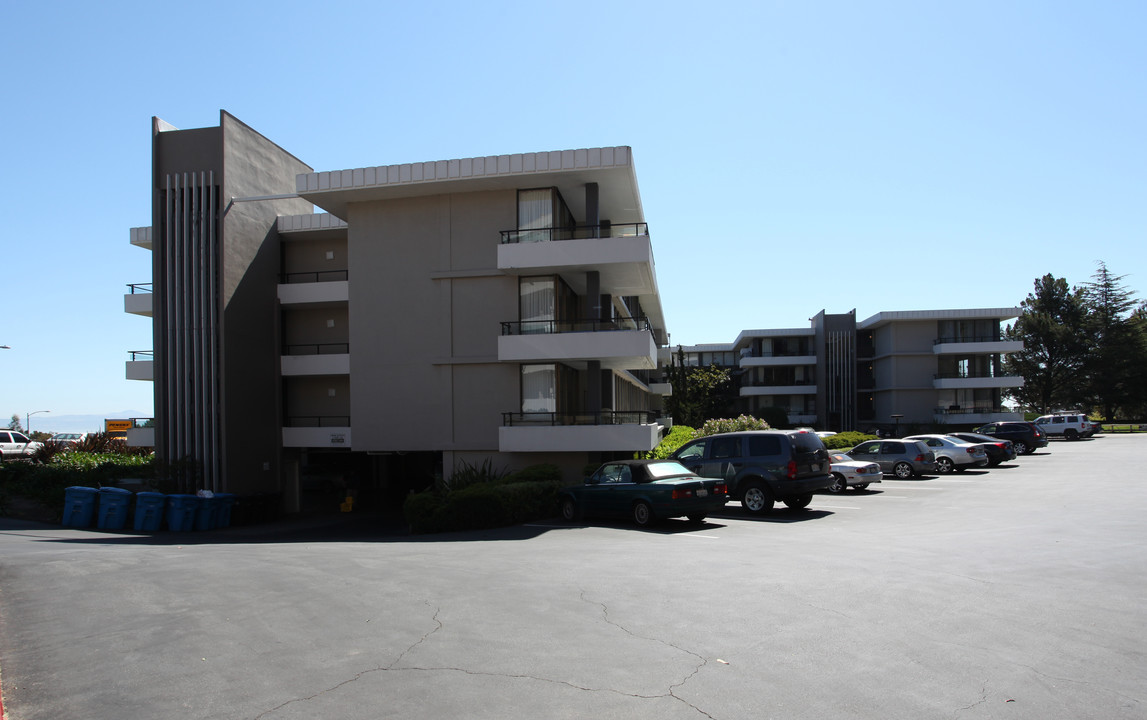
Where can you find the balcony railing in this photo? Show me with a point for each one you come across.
(139, 288)
(957, 375)
(603, 417)
(977, 339)
(581, 232)
(313, 277)
(317, 349)
(141, 355)
(783, 353)
(973, 410)
(550, 327)
(317, 421)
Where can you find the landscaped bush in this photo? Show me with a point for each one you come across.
(677, 436)
(724, 425)
(846, 440)
(46, 483)
(496, 501)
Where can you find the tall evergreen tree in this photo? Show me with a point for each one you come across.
(699, 393)
(1116, 359)
(1053, 359)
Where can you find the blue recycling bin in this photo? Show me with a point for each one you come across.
(79, 506)
(115, 503)
(149, 511)
(207, 514)
(181, 512)
(226, 501)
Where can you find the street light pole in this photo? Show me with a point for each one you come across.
(28, 420)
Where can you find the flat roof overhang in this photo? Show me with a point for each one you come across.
(568, 170)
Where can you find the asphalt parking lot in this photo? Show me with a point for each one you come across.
(1017, 592)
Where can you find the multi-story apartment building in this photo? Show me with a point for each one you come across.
(918, 366)
(437, 313)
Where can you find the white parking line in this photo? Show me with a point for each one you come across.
(818, 506)
(709, 537)
(915, 487)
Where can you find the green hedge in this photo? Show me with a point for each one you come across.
(46, 483)
(846, 440)
(481, 506)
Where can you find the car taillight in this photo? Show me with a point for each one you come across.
(721, 490)
(681, 494)
(792, 469)
(971, 450)
(919, 458)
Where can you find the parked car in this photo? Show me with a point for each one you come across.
(762, 466)
(67, 438)
(953, 454)
(1025, 436)
(16, 445)
(644, 490)
(1071, 426)
(902, 458)
(847, 473)
(998, 450)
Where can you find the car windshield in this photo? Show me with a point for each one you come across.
(666, 469)
(841, 457)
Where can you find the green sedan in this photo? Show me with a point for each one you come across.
(644, 490)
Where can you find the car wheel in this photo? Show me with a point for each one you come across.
(861, 486)
(1070, 434)
(642, 514)
(757, 498)
(1020, 447)
(696, 519)
(902, 470)
(838, 484)
(800, 502)
(569, 510)
(943, 465)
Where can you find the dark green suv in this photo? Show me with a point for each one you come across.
(762, 466)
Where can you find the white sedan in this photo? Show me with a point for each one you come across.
(953, 453)
(847, 472)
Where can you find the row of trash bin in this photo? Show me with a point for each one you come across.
(110, 507)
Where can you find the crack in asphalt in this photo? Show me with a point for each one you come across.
(983, 699)
(477, 673)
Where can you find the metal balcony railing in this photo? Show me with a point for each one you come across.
(580, 232)
(973, 410)
(317, 421)
(141, 355)
(313, 277)
(977, 339)
(971, 374)
(551, 327)
(317, 349)
(140, 288)
(603, 417)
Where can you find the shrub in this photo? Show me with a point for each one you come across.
(677, 436)
(481, 505)
(846, 440)
(466, 475)
(533, 473)
(724, 425)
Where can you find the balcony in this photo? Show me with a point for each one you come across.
(799, 388)
(622, 254)
(314, 288)
(141, 366)
(316, 359)
(975, 345)
(138, 301)
(605, 431)
(976, 415)
(751, 361)
(955, 381)
(625, 344)
(141, 237)
(326, 431)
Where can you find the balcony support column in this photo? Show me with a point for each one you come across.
(593, 386)
(592, 208)
(593, 308)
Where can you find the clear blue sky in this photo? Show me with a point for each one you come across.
(792, 156)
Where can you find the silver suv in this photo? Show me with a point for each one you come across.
(1072, 426)
(902, 458)
(15, 445)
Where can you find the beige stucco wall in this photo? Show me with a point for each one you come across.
(304, 326)
(310, 256)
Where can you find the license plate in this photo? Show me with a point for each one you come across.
(702, 492)
(815, 467)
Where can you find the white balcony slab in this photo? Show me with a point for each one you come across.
(317, 437)
(779, 361)
(625, 264)
(138, 304)
(141, 237)
(778, 390)
(316, 364)
(665, 389)
(978, 348)
(578, 438)
(140, 370)
(616, 349)
(984, 382)
(314, 293)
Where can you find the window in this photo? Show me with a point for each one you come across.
(726, 447)
(892, 448)
(539, 388)
(764, 446)
(696, 451)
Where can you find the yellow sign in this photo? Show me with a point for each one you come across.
(117, 425)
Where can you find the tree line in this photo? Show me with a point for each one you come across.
(1085, 347)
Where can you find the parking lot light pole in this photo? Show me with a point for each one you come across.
(28, 419)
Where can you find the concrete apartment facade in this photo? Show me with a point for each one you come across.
(500, 308)
(910, 367)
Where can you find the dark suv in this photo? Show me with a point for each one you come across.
(1025, 436)
(762, 466)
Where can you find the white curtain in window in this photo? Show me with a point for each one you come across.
(535, 211)
(539, 388)
(536, 304)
